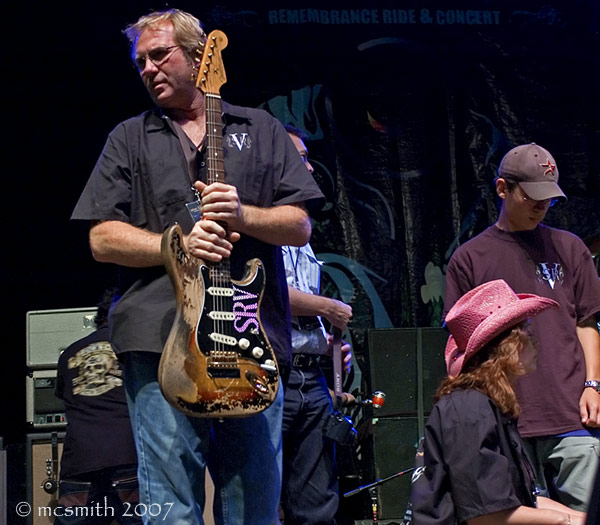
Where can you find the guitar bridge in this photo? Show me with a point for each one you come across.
(223, 364)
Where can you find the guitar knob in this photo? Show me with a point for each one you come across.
(257, 352)
(243, 343)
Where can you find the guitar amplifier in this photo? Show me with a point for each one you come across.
(43, 409)
(49, 332)
(43, 453)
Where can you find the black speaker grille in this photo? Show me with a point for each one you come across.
(404, 362)
(394, 445)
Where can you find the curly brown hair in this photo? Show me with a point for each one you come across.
(493, 370)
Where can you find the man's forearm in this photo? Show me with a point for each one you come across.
(279, 225)
(589, 403)
(589, 337)
(302, 303)
(122, 243)
(336, 312)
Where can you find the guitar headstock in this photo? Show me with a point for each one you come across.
(211, 72)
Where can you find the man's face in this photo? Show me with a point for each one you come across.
(301, 148)
(520, 211)
(168, 79)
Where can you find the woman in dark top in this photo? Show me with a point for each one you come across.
(473, 468)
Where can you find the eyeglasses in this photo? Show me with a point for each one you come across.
(157, 56)
(533, 202)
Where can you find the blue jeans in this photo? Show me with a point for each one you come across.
(565, 467)
(310, 488)
(99, 498)
(243, 455)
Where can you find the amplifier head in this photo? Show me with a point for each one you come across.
(49, 332)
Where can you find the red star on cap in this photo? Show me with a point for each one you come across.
(549, 167)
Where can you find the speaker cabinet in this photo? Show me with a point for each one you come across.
(42, 464)
(395, 442)
(408, 365)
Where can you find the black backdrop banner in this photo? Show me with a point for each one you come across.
(409, 111)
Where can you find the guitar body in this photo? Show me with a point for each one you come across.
(217, 361)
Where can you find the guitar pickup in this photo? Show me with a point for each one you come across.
(217, 291)
(221, 316)
(223, 339)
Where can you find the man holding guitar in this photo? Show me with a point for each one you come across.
(310, 488)
(159, 169)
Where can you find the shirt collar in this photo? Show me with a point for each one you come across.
(157, 120)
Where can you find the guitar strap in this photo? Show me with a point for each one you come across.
(337, 366)
(189, 151)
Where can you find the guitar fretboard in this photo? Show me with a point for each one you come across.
(220, 273)
(214, 139)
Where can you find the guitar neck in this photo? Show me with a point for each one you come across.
(220, 272)
(214, 139)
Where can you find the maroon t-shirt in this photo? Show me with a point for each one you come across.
(552, 263)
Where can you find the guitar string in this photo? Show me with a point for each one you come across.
(210, 179)
(221, 270)
(214, 178)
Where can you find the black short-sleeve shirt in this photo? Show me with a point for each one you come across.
(142, 178)
(89, 381)
(474, 462)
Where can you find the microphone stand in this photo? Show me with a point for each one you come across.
(372, 488)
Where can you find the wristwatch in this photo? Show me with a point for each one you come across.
(592, 384)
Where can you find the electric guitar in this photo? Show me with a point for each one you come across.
(217, 360)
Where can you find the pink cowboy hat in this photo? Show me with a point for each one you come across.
(484, 313)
